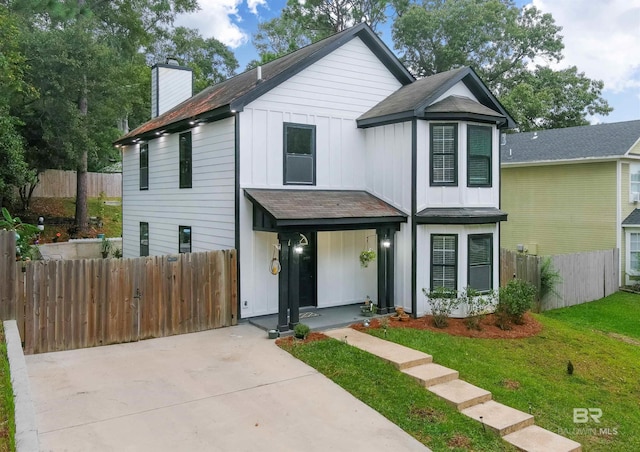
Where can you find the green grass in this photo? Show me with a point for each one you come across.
(397, 397)
(527, 374)
(617, 313)
(111, 215)
(7, 411)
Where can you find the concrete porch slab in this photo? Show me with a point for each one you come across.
(431, 374)
(460, 394)
(400, 356)
(537, 439)
(498, 417)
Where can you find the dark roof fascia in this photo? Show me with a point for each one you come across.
(172, 66)
(499, 120)
(477, 87)
(384, 120)
(357, 222)
(209, 116)
(489, 217)
(371, 40)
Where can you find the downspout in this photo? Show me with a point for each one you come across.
(236, 163)
(414, 228)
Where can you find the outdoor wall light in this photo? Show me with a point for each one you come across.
(298, 249)
(386, 243)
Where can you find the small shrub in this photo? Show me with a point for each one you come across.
(443, 301)
(515, 299)
(301, 331)
(478, 306)
(549, 279)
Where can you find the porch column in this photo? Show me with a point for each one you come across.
(386, 246)
(288, 282)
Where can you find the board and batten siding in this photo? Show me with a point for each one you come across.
(560, 209)
(330, 94)
(208, 207)
(460, 195)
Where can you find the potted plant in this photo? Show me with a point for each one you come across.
(301, 331)
(105, 247)
(367, 256)
(369, 309)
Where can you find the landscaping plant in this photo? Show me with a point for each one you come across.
(515, 299)
(443, 301)
(549, 279)
(301, 331)
(25, 233)
(478, 306)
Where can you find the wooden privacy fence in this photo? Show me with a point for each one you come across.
(68, 304)
(585, 276)
(62, 184)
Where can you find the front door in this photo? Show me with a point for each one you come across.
(308, 268)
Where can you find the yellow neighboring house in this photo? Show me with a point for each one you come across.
(574, 189)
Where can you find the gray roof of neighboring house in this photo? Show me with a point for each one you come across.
(219, 100)
(633, 218)
(417, 100)
(571, 143)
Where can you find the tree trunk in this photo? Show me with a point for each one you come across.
(81, 185)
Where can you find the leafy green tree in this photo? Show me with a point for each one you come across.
(211, 61)
(501, 42)
(303, 23)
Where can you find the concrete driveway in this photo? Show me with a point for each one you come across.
(222, 390)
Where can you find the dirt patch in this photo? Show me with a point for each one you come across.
(311, 337)
(426, 414)
(510, 384)
(457, 327)
(459, 441)
(626, 339)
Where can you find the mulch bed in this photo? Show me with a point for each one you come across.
(311, 337)
(457, 327)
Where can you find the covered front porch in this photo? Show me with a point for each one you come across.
(298, 217)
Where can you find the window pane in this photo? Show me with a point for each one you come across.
(144, 166)
(443, 262)
(443, 154)
(185, 160)
(299, 154)
(299, 140)
(480, 262)
(185, 239)
(144, 239)
(479, 159)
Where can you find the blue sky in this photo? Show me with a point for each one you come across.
(602, 38)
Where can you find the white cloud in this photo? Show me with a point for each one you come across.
(217, 18)
(253, 5)
(601, 38)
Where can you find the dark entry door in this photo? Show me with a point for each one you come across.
(308, 269)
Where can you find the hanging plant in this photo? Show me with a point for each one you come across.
(367, 256)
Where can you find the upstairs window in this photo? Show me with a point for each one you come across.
(635, 182)
(144, 166)
(184, 239)
(185, 160)
(299, 154)
(444, 261)
(444, 154)
(481, 262)
(479, 156)
(144, 239)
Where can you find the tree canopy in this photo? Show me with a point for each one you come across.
(502, 43)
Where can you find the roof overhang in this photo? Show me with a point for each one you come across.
(281, 210)
(460, 215)
(613, 158)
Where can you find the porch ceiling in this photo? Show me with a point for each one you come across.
(461, 215)
(323, 209)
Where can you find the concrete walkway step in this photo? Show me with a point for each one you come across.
(537, 439)
(400, 356)
(498, 417)
(460, 394)
(431, 374)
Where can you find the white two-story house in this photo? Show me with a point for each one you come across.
(303, 163)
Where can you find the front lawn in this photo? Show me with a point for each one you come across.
(528, 374)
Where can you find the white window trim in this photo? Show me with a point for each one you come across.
(627, 249)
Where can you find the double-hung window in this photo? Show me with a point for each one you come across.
(144, 166)
(444, 261)
(185, 160)
(184, 239)
(479, 156)
(634, 253)
(299, 154)
(635, 182)
(444, 154)
(144, 239)
(481, 262)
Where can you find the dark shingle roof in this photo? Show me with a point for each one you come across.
(234, 93)
(290, 207)
(461, 215)
(417, 100)
(633, 218)
(596, 141)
